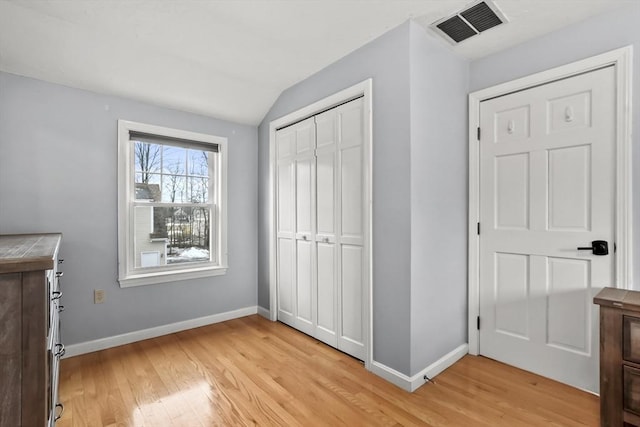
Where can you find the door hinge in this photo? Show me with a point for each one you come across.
(478, 134)
(478, 229)
(478, 322)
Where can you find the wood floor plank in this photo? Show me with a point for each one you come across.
(251, 371)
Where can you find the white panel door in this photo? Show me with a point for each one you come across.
(547, 188)
(327, 280)
(285, 196)
(295, 217)
(350, 227)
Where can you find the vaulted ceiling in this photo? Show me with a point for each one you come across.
(231, 58)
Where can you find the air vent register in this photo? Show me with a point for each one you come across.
(474, 19)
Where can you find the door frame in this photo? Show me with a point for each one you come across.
(363, 89)
(621, 59)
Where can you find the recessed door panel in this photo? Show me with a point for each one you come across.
(512, 191)
(326, 129)
(284, 144)
(326, 193)
(351, 186)
(569, 112)
(569, 304)
(512, 125)
(304, 280)
(305, 137)
(352, 292)
(351, 128)
(285, 197)
(327, 288)
(285, 276)
(512, 294)
(304, 196)
(570, 188)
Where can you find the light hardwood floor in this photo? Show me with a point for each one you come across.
(252, 371)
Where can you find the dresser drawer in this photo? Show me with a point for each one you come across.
(631, 339)
(631, 390)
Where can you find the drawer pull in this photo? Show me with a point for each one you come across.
(61, 406)
(60, 261)
(56, 295)
(59, 274)
(61, 309)
(61, 351)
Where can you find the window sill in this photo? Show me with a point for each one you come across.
(132, 280)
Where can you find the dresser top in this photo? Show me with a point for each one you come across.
(28, 252)
(619, 298)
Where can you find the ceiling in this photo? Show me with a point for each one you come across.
(231, 59)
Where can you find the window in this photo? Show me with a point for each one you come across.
(171, 204)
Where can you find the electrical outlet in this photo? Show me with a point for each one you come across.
(98, 296)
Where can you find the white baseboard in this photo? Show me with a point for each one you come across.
(264, 312)
(414, 382)
(129, 337)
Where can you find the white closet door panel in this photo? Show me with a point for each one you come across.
(304, 286)
(304, 197)
(285, 197)
(326, 305)
(326, 194)
(351, 123)
(351, 195)
(284, 144)
(326, 129)
(305, 136)
(285, 280)
(351, 334)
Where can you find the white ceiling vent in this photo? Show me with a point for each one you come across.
(477, 17)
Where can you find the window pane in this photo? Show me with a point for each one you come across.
(171, 235)
(174, 189)
(147, 186)
(150, 237)
(199, 189)
(198, 162)
(147, 157)
(174, 160)
(188, 229)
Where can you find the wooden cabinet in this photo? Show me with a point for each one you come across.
(30, 345)
(619, 357)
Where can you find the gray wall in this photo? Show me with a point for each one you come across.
(386, 60)
(439, 181)
(58, 151)
(419, 191)
(588, 38)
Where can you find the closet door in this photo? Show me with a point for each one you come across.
(350, 227)
(320, 251)
(327, 280)
(305, 230)
(285, 217)
(295, 147)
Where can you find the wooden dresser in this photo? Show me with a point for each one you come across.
(619, 357)
(30, 347)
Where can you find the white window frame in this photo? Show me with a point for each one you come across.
(128, 276)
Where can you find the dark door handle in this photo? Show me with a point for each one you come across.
(598, 247)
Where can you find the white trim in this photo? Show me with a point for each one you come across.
(364, 89)
(129, 276)
(622, 60)
(414, 382)
(264, 312)
(144, 334)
